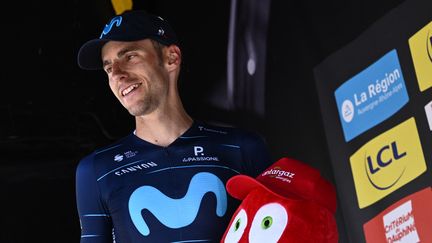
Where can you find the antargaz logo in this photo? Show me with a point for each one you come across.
(387, 162)
(279, 173)
(421, 51)
(371, 96)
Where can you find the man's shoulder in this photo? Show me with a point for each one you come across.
(106, 150)
(218, 128)
(227, 130)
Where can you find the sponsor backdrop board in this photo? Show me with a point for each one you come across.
(376, 102)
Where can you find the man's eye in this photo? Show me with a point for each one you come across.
(130, 56)
(108, 69)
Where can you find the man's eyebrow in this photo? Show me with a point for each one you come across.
(125, 50)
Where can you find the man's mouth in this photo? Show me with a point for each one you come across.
(129, 89)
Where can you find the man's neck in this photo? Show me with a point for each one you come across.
(162, 130)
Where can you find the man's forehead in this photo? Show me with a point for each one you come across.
(119, 46)
(116, 49)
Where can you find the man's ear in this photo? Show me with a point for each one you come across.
(173, 55)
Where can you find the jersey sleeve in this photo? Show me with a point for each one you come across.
(256, 153)
(95, 221)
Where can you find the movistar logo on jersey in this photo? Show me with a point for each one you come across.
(387, 163)
(371, 96)
(176, 212)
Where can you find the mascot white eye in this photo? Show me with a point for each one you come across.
(268, 224)
(237, 227)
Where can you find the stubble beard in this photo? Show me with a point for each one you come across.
(144, 107)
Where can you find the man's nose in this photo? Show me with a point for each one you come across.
(118, 72)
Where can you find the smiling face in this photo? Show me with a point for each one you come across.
(136, 75)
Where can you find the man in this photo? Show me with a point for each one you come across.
(164, 182)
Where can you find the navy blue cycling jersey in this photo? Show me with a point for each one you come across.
(135, 191)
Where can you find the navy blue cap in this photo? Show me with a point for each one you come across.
(132, 25)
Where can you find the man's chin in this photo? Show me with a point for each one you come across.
(139, 111)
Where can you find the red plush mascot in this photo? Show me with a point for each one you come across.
(289, 202)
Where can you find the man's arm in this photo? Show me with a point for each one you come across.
(256, 154)
(95, 221)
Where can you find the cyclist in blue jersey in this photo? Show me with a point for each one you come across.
(165, 181)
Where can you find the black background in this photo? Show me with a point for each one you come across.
(52, 113)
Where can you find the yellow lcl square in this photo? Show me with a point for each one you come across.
(387, 163)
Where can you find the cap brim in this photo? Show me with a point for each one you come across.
(89, 55)
(239, 186)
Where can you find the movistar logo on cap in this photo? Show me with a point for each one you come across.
(116, 20)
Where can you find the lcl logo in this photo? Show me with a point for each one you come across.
(382, 161)
(387, 162)
(429, 49)
(385, 156)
